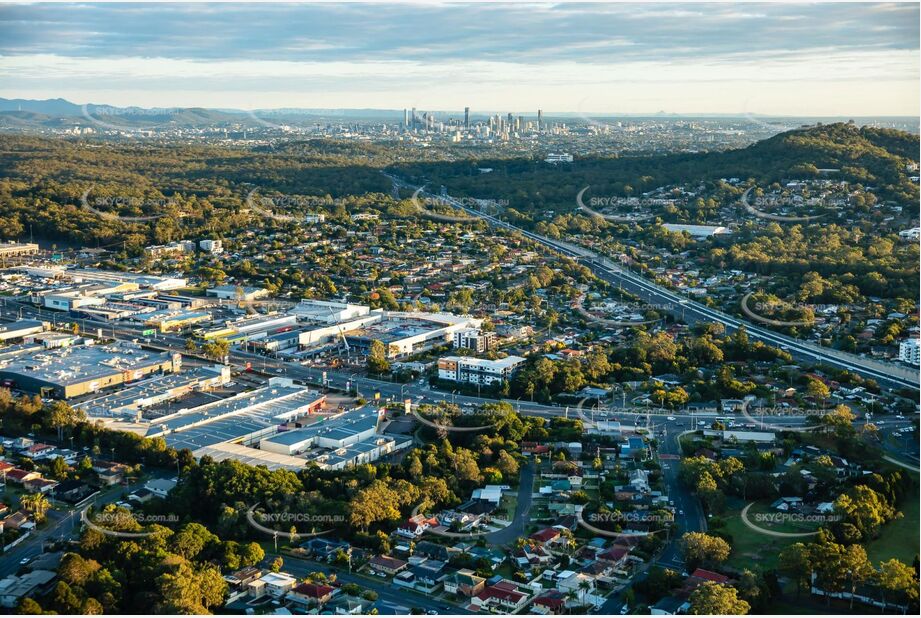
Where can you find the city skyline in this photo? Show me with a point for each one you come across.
(680, 58)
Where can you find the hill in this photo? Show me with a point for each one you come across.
(866, 155)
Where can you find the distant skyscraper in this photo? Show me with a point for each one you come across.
(405, 118)
(413, 119)
(540, 120)
(466, 117)
(510, 122)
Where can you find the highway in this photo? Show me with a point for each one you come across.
(691, 311)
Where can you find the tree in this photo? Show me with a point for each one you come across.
(717, 599)
(76, 570)
(699, 548)
(796, 562)
(817, 389)
(858, 567)
(188, 590)
(28, 606)
(91, 607)
(897, 578)
(507, 464)
(217, 350)
(864, 509)
(65, 600)
(62, 415)
(377, 358)
(251, 553)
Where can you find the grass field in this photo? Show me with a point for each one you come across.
(899, 539)
(751, 549)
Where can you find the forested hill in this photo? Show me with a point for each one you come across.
(870, 156)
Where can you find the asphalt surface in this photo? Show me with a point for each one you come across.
(522, 514)
(391, 599)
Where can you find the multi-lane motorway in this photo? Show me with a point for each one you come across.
(665, 300)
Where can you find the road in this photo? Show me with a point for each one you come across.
(691, 311)
(522, 516)
(391, 599)
(693, 518)
(62, 524)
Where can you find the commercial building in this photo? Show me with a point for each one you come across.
(21, 329)
(232, 428)
(348, 439)
(174, 248)
(130, 402)
(166, 321)
(237, 292)
(214, 247)
(327, 311)
(82, 369)
(477, 370)
(910, 351)
(407, 333)
(697, 231)
(12, 249)
(141, 280)
(475, 339)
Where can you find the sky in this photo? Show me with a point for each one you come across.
(842, 59)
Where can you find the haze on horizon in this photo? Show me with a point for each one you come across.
(782, 59)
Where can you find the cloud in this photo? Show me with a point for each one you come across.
(412, 52)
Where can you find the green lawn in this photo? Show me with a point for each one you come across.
(751, 550)
(899, 539)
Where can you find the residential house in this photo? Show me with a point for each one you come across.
(415, 526)
(551, 602)
(34, 584)
(238, 580)
(311, 595)
(670, 606)
(39, 485)
(387, 564)
(503, 596)
(546, 536)
(275, 585)
(160, 487)
(464, 583)
(347, 605)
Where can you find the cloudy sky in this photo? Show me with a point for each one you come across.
(796, 59)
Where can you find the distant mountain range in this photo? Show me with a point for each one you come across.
(61, 113)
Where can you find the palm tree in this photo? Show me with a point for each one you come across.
(36, 504)
(584, 587)
(571, 596)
